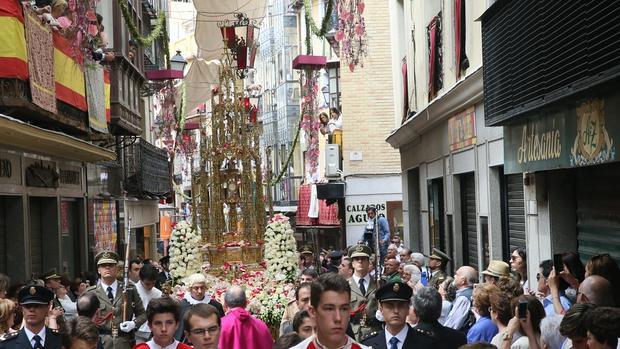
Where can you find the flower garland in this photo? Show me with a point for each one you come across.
(281, 249)
(158, 30)
(352, 32)
(184, 251)
(310, 124)
(326, 23)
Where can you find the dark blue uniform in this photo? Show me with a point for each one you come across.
(19, 340)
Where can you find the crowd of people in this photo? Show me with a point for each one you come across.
(575, 307)
(344, 301)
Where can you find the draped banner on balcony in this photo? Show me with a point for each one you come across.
(13, 54)
(70, 85)
(40, 62)
(106, 85)
(95, 92)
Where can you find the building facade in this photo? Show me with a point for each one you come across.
(280, 101)
(457, 197)
(64, 154)
(559, 117)
(372, 105)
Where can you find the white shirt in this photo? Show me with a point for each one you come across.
(105, 287)
(366, 278)
(146, 297)
(312, 339)
(69, 306)
(400, 335)
(188, 297)
(30, 335)
(154, 345)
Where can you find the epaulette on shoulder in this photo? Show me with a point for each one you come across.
(370, 335)
(8, 336)
(425, 332)
(91, 288)
(55, 331)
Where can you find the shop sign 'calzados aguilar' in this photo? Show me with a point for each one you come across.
(356, 213)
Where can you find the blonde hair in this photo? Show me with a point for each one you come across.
(7, 307)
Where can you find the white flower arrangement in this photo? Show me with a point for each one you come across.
(185, 257)
(281, 249)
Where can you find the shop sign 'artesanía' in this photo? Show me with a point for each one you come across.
(576, 134)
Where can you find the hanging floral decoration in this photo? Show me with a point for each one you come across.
(77, 22)
(166, 118)
(184, 251)
(309, 122)
(281, 249)
(351, 32)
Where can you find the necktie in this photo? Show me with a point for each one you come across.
(110, 295)
(37, 342)
(393, 343)
(362, 287)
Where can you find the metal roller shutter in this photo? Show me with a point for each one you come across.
(36, 236)
(468, 212)
(598, 211)
(515, 212)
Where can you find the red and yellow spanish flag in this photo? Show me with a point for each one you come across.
(13, 53)
(70, 82)
(106, 86)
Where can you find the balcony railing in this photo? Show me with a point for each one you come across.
(286, 193)
(146, 170)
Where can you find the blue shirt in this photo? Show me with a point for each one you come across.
(482, 331)
(384, 230)
(548, 304)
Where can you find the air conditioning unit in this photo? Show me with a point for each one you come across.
(332, 160)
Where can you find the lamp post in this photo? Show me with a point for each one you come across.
(239, 37)
(175, 71)
(177, 62)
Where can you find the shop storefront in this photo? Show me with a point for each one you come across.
(43, 220)
(568, 154)
(455, 187)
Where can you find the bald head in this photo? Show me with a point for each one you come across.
(235, 297)
(391, 266)
(465, 276)
(596, 290)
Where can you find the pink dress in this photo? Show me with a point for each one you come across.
(240, 330)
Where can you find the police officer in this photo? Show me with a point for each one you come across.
(437, 263)
(363, 302)
(35, 303)
(394, 300)
(116, 332)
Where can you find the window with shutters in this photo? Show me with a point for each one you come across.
(460, 31)
(435, 56)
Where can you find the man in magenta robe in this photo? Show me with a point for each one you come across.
(240, 330)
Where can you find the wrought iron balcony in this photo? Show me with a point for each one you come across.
(146, 170)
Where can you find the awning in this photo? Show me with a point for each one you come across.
(18, 134)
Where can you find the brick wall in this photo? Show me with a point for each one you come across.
(368, 100)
